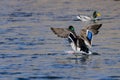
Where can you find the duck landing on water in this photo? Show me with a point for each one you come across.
(79, 43)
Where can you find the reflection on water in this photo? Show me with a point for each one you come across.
(30, 51)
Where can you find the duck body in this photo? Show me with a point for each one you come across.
(79, 43)
(84, 18)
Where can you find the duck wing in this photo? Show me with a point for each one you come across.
(87, 33)
(94, 28)
(61, 32)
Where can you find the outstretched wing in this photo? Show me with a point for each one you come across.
(87, 33)
(61, 32)
(94, 28)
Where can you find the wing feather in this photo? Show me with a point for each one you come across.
(61, 32)
(93, 28)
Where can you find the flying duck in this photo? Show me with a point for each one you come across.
(87, 18)
(79, 43)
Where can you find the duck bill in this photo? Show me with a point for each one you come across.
(98, 14)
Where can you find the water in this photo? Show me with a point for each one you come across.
(30, 51)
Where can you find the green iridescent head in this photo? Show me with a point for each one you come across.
(96, 14)
(71, 28)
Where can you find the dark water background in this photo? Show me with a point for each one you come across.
(30, 51)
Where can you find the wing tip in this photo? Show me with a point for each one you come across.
(53, 30)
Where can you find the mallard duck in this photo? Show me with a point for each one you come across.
(79, 43)
(87, 18)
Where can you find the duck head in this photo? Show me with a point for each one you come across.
(96, 14)
(71, 28)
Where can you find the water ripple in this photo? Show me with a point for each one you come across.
(10, 73)
(20, 14)
(62, 66)
(12, 55)
(111, 78)
(22, 79)
(46, 77)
